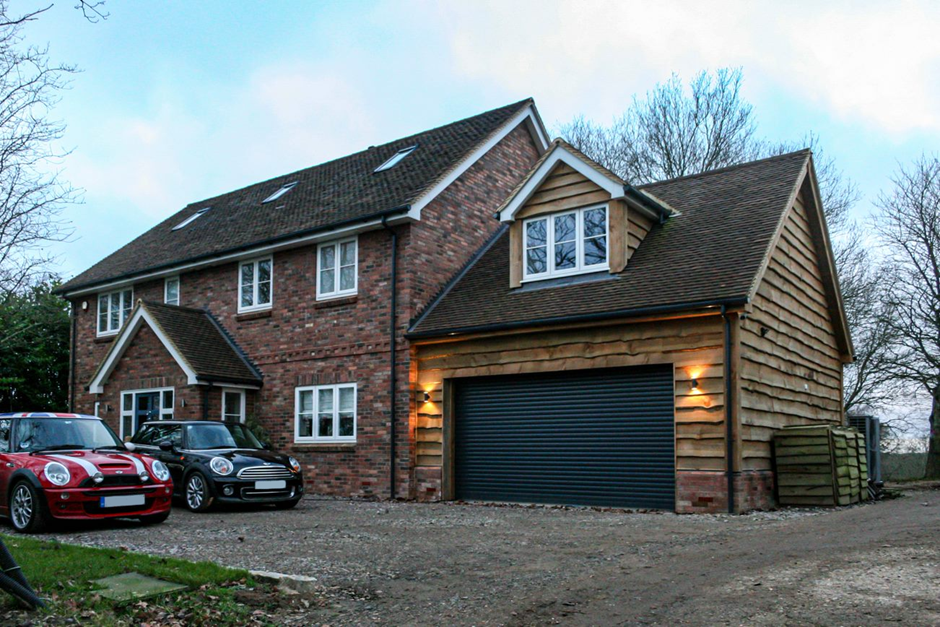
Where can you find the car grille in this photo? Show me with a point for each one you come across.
(112, 481)
(265, 472)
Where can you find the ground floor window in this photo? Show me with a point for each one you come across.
(233, 405)
(139, 406)
(325, 413)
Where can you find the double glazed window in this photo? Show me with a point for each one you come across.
(254, 284)
(336, 269)
(139, 406)
(326, 413)
(113, 310)
(566, 243)
(233, 405)
(171, 291)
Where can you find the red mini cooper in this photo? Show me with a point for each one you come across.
(73, 467)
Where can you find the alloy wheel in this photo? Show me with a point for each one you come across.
(195, 492)
(21, 508)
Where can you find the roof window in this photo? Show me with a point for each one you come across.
(284, 189)
(398, 156)
(191, 219)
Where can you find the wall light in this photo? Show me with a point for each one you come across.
(427, 397)
(694, 384)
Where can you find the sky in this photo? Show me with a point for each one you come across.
(179, 101)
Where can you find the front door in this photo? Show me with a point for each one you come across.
(148, 408)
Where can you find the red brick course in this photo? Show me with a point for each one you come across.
(303, 342)
(702, 492)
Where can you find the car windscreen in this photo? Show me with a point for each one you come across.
(219, 435)
(37, 434)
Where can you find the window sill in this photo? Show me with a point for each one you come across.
(253, 315)
(325, 447)
(336, 302)
(105, 339)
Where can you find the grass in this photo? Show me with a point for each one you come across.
(61, 573)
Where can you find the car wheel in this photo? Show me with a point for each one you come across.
(154, 519)
(286, 504)
(198, 494)
(27, 511)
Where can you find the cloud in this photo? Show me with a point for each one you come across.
(874, 63)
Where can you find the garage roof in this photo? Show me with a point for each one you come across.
(712, 251)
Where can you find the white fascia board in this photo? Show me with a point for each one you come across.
(238, 256)
(533, 124)
(559, 154)
(123, 341)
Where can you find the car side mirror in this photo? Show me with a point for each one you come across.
(130, 446)
(266, 446)
(165, 445)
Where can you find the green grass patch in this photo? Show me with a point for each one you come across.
(61, 573)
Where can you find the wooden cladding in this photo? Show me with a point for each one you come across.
(692, 345)
(790, 371)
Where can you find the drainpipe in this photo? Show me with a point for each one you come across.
(391, 357)
(72, 359)
(729, 403)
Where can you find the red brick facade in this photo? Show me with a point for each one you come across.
(301, 341)
(700, 492)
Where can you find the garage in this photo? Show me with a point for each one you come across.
(600, 437)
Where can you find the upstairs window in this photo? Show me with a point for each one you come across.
(562, 244)
(113, 309)
(337, 268)
(254, 284)
(171, 291)
(191, 219)
(396, 158)
(283, 190)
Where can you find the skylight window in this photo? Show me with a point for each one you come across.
(284, 189)
(396, 158)
(191, 219)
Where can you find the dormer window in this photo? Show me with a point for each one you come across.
(562, 244)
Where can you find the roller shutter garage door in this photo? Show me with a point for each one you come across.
(595, 437)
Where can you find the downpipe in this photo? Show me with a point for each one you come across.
(393, 323)
(729, 403)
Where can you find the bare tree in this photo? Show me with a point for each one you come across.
(32, 195)
(671, 132)
(909, 228)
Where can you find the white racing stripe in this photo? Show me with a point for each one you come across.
(87, 466)
(137, 463)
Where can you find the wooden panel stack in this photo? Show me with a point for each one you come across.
(820, 465)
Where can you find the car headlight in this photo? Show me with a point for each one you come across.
(160, 471)
(294, 464)
(57, 474)
(221, 466)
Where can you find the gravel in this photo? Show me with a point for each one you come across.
(472, 564)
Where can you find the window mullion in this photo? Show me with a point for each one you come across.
(578, 239)
(336, 411)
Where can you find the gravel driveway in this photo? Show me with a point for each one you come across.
(409, 563)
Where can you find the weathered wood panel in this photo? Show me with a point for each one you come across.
(693, 345)
(790, 370)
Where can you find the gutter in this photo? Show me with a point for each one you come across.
(593, 317)
(392, 329)
(643, 199)
(157, 270)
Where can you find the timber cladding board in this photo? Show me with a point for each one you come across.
(790, 370)
(693, 346)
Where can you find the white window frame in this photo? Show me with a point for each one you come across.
(254, 285)
(166, 290)
(336, 292)
(121, 316)
(314, 430)
(580, 268)
(241, 404)
(129, 413)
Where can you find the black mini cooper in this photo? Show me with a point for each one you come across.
(221, 462)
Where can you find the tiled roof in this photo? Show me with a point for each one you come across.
(712, 251)
(331, 194)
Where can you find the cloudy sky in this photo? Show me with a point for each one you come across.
(178, 101)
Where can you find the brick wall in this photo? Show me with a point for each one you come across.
(707, 492)
(303, 342)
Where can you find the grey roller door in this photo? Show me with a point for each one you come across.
(594, 437)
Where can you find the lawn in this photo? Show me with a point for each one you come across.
(61, 574)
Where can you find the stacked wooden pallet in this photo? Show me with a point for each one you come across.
(820, 465)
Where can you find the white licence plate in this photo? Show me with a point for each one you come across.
(122, 501)
(270, 485)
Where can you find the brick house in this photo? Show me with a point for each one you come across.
(275, 303)
(558, 335)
